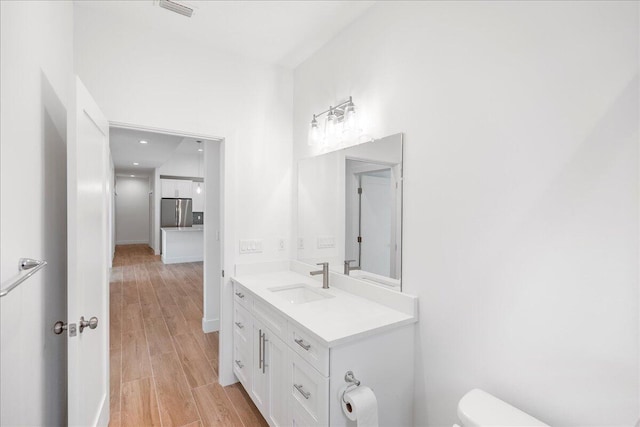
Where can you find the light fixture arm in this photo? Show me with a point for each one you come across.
(338, 110)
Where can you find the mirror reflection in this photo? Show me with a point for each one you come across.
(350, 211)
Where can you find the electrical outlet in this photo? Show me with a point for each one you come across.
(300, 242)
(281, 244)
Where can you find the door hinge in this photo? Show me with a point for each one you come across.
(222, 273)
(359, 239)
(360, 190)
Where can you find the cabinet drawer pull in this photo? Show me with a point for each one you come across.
(239, 325)
(239, 294)
(300, 388)
(301, 343)
(240, 365)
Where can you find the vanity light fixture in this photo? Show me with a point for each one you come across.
(135, 163)
(142, 141)
(132, 176)
(340, 123)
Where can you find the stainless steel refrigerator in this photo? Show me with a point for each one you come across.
(176, 213)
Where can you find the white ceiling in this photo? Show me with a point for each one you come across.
(126, 149)
(279, 32)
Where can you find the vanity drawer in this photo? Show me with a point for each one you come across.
(242, 362)
(242, 324)
(241, 295)
(309, 393)
(309, 348)
(271, 318)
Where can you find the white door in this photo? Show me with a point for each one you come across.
(259, 390)
(88, 255)
(277, 360)
(375, 225)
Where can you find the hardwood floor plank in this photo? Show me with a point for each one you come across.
(114, 419)
(132, 316)
(215, 407)
(176, 403)
(191, 313)
(139, 404)
(195, 364)
(115, 379)
(209, 344)
(158, 337)
(135, 355)
(248, 412)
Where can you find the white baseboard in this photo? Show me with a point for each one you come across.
(178, 260)
(210, 325)
(132, 242)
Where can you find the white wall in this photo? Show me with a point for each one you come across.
(212, 245)
(521, 193)
(36, 60)
(132, 210)
(147, 76)
(183, 165)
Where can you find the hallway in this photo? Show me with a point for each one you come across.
(163, 367)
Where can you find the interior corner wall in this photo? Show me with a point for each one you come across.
(520, 234)
(36, 70)
(132, 77)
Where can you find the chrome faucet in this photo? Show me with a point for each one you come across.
(324, 272)
(348, 268)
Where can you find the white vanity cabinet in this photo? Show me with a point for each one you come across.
(295, 378)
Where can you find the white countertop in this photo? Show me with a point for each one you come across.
(182, 229)
(334, 321)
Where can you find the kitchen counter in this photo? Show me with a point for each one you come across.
(333, 321)
(182, 244)
(182, 229)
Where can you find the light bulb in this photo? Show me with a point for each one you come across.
(332, 124)
(314, 132)
(350, 119)
(198, 190)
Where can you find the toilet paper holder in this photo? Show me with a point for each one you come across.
(352, 381)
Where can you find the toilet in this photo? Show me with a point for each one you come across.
(478, 408)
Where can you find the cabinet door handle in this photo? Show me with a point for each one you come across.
(300, 388)
(239, 294)
(260, 349)
(301, 343)
(264, 352)
(239, 325)
(240, 365)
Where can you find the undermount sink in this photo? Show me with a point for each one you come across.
(299, 293)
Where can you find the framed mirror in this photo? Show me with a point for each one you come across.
(350, 211)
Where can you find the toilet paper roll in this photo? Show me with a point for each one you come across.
(360, 405)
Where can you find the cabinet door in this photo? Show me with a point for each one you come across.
(277, 360)
(259, 391)
(168, 188)
(184, 189)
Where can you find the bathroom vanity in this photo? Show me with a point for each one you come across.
(293, 343)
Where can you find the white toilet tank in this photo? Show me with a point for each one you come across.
(478, 408)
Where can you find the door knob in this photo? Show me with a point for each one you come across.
(91, 323)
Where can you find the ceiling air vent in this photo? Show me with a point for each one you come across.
(177, 7)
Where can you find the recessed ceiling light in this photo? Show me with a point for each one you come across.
(142, 141)
(135, 163)
(200, 149)
(132, 176)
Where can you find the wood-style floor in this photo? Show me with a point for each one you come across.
(163, 367)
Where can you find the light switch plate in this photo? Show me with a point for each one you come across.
(250, 246)
(281, 244)
(325, 242)
(300, 242)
